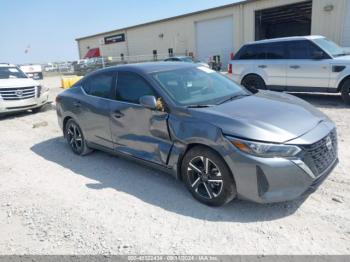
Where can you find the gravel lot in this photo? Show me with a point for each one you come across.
(54, 202)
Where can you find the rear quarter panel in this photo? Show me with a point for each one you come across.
(65, 108)
(242, 68)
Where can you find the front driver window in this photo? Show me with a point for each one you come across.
(131, 87)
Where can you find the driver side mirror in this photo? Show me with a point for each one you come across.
(317, 55)
(149, 102)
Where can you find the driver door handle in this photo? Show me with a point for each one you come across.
(117, 114)
(262, 66)
(295, 66)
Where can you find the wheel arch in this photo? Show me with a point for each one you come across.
(341, 83)
(252, 74)
(65, 121)
(188, 147)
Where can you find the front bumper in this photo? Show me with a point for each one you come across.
(268, 180)
(8, 106)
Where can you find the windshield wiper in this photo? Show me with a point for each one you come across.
(343, 54)
(232, 98)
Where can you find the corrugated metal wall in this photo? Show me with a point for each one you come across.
(346, 28)
(179, 33)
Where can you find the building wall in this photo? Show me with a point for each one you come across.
(345, 38)
(179, 33)
(329, 24)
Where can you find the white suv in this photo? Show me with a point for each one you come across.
(18, 92)
(294, 64)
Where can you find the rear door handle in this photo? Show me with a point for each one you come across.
(262, 66)
(294, 66)
(117, 114)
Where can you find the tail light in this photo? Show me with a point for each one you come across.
(232, 56)
(229, 68)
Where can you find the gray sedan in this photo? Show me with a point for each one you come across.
(220, 139)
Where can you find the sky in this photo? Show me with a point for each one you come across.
(39, 31)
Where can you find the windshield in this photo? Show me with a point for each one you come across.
(198, 86)
(11, 72)
(332, 48)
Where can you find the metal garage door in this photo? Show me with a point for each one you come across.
(283, 21)
(346, 31)
(215, 37)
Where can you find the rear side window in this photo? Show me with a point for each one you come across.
(262, 51)
(131, 87)
(99, 85)
(248, 52)
(275, 51)
(302, 49)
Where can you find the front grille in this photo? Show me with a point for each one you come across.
(18, 93)
(321, 155)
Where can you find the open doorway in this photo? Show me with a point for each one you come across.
(283, 21)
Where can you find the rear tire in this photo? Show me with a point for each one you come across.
(252, 82)
(345, 92)
(207, 177)
(75, 138)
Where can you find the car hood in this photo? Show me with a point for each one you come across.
(265, 116)
(17, 82)
(345, 58)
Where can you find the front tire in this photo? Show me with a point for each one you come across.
(75, 138)
(345, 92)
(207, 177)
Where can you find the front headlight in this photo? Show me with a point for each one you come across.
(265, 149)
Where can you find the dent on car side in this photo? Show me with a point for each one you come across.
(179, 131)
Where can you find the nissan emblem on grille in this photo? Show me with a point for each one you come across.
(329, 143)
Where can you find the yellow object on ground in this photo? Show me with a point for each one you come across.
(68, 81)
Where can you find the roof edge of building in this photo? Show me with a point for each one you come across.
(168, 19)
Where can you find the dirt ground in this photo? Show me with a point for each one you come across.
(54, 202)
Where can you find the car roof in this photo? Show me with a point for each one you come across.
(152, 67)
(7, 65)
(291, 38)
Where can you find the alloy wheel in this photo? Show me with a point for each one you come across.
(75, 138)
(205, 177)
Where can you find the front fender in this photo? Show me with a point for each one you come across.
(186, 131)
(335, 82)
